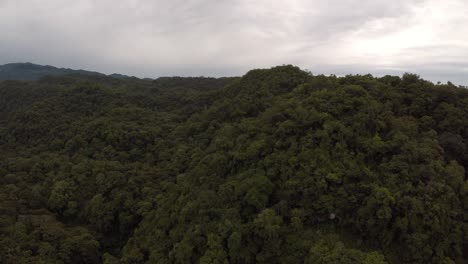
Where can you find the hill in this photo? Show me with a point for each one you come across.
(30, 71)
(278, 166)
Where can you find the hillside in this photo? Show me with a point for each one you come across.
(30, 71)
(278, 166)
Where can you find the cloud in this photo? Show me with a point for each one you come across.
(208, 37)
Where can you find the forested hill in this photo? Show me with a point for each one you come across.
(278, 166)
(30, 71)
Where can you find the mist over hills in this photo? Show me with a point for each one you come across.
(30, 71)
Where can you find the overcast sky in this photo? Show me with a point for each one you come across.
(151, 38)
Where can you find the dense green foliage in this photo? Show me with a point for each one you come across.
(278, 166)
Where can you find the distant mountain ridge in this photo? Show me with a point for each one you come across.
(30, 71)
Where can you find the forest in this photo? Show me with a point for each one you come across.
(277, 166)
(33, 72)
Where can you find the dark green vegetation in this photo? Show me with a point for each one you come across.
(30, 71)
(278, 166)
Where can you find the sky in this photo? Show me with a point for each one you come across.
(152, 38)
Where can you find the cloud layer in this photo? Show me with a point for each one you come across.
(218, 37)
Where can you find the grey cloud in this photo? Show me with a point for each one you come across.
(213, 38)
